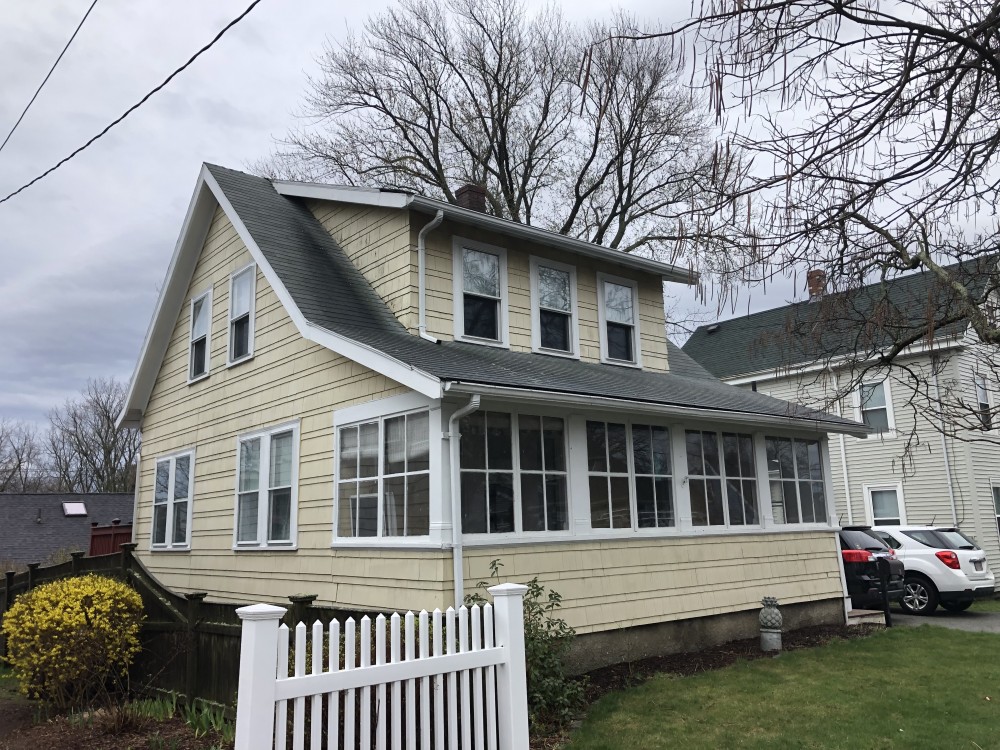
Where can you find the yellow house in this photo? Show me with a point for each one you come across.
(368, 395)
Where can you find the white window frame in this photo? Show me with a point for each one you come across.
(828, 501)
(252, 270)
(263, 498)
(536, 328)
(458, 292)
(603, 323)
(900, 503)
(889, 411)
(207, 296)
(994, 487)
(709, 528)
(168, 545)
(979, 381)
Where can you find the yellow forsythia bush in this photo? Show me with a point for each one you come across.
(66, 639)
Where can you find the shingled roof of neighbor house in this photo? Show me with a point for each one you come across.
(35, 526)
(861, 321)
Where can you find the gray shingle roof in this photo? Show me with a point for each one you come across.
(862, 321)
(33, 526)
(333, 294)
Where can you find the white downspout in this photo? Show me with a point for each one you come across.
(421, 284)
(454, 438)
(944, 447)
(843, 453)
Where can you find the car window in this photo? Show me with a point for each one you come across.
(857, 539)
(955, 539)
(889, 539)
(927, 538)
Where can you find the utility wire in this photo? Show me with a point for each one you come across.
(48, 75)
(138, 104)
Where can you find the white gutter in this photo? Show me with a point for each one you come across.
(454, 439)
(843, 452)
(421, 284)
(944, 448)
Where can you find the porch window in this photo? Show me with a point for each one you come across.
(617, 306)
(480, 292)
(795, 473)
(241, 307)
(387, 459)
(983, 403)
(172, 495)
(487, 472)
(267, 488)
(722, 478)
(200, 336)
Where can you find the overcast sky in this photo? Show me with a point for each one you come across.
(82, 253)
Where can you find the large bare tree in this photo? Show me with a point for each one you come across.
(433, 95)
(21, 458)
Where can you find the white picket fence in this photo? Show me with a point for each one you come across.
(448, 681)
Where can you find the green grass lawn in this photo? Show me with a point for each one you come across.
(986, 605)
(905, 688)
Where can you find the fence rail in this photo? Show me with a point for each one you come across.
(436, 680)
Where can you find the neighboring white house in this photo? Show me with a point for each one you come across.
(910, 471)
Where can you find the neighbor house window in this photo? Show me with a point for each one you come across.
(626, 461)
(201, 329)
(480, 307)
(267, 488)
(722, 478)
(996, 504)
(795, 473)
(386, 459)
(886, 505)
(617, 303)
(172, 494)
(875, 408)
(983, 403)
(241, 308)
(513, 473)
(553, 302)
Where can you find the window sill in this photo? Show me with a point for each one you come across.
(554, 353)
(291, 547)
(174, 548)
(887, 435)
(392, 542)
(240, 361)
(192, 381)
(621, 363)
(483, 342)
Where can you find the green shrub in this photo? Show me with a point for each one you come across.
(553, 696)
(67, 639)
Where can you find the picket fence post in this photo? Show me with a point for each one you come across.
(258, 670)
(512, 679)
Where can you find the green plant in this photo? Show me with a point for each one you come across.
(67, 640)
(157, 709)
(553, 696)
(204, 718)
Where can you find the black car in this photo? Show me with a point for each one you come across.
(861, 550)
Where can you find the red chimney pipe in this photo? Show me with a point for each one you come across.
(472, 197)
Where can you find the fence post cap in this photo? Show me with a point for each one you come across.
(195, 596)
(261, 612)
(77, 553)
(128, 546)
(508, 589)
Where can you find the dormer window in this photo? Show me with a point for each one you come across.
(241, 306)
(480, 294)
(553, 303)
(201, 323)
(617, 300)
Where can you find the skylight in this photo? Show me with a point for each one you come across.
(74, 509)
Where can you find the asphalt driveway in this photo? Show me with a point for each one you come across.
(970, 620)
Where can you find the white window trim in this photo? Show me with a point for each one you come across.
(602, 320)
(976, 377)
(253, 310)
(207, 296)
(870, 509)
(761, 496)
(994, 484)
(574, 326)
(169, 546)
(458, 292)
(263, 500)
(828, 501)
(889, 410)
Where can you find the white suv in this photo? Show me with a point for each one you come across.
(943, 566)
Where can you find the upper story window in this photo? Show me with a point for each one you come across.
(387, 458)
(200, 336)
(480, 292)
(875, 406)
(722, 477)
(617, 306)
(267, 488)
(795, 472)
(626, 461)
(983, 403)
(241, 313)
(553, 307)
(172, 495)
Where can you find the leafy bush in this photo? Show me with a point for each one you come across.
(67, 639)
(553, 696)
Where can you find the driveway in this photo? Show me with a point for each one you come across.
(974, 622)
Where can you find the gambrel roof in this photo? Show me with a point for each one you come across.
(332, 304)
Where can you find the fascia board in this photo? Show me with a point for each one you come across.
(670, 410)
(342, 194)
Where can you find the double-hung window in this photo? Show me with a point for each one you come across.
(267, 488)
(242, 289)
(983, 403)
(996, 504)
(885, 504)
(200, 336)
(480, 292)
(387, 459)
(618, 310)
(795, 473)
(172, 495)
(625, 461)
(722, 478)
(874, 405)
(553, 302)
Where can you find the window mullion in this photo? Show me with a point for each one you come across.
(380, 477)
(263, 489)
(515, 463)
(630, 464)
(168, 538)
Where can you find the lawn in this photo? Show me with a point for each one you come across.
(986, 605)
(904, 688)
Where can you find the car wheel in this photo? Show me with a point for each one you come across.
(919, 596)
(957, 606)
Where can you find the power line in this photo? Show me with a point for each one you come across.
(138, 104)
(48, 75)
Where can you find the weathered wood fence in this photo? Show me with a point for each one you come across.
(445, 680)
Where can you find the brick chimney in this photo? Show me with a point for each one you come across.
(472, 197)
(816, 281)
